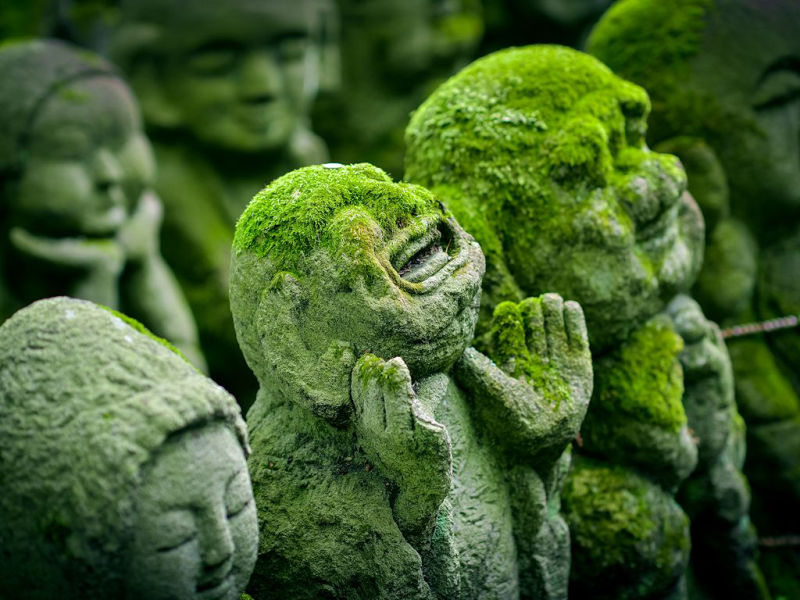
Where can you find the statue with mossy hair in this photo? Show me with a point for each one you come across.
(540, 153)
(390, 460)
(79, 215)
(393, 53)
(225, 90)
(724, 79)
(123, 469)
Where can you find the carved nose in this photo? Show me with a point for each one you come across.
(261, 78)
(216, 542)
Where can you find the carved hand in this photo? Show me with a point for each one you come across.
(536, 392)
(402, 439)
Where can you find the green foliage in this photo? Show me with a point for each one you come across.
(321, 206)
(643, 379)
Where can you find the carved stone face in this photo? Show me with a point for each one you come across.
(622, 240)
(416, 297)
(238, 76)
(87, 161)
(545, 147)
(196, 533)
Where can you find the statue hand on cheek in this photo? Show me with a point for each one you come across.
(100, 261)
(402, 438)
(139, 235)
(534, 392)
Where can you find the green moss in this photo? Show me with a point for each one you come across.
(334, 207)
(145, 331)
(643, 379)
(629, 538)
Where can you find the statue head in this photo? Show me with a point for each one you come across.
(334, 253)
(237, 75)
(725, 71)
(540, 153)
(123, 469)
(73, 157)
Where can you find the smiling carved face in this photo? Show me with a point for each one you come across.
(196, 533)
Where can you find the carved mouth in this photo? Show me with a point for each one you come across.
(216, 588)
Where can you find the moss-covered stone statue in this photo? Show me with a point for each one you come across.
(123, 469)
(540, 153)
(393, 53)
(390, 460)
(225, 89)
(725, 83)
(78, 213)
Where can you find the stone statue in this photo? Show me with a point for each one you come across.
(390, 460)
(79, 216)
(724, 79)
(122, 468)
(540, 153)
(225, 91)
(393, 53)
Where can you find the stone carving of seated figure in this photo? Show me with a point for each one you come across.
(79, 217)
(540, 152)
(390, 459)
(123, 469)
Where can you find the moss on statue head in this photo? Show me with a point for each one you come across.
(325, 206)
(539, 151)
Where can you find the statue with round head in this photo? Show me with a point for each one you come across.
(76, 173)
(226, 90)
(123, 468)
(355, 300)
(724, 79)
(540, 152)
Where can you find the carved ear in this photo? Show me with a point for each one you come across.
(708, 183)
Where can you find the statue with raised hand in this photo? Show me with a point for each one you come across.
(540, 153)
(226, 90)
(391, 460)
(725, 84)
(123, 468)
(76, 170)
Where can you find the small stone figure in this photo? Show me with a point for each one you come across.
(540, 153)
(226, 89)
(79, 216)
(393, 52)
(724, 79)
(123, 469)
(389, 459)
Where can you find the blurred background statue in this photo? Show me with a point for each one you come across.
(76, 173)
(393, 54)
(123, 469)
(540, 153)
(225, 89)
(724, 76)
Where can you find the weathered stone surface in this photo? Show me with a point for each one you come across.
(540, 153)
(724, 100)
(76, 171)
(390, 460)
(123, 469)
(226, 90)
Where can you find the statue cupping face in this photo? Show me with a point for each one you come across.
(550, 145)
(238, 76)
(124, 468)
(394, 274)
